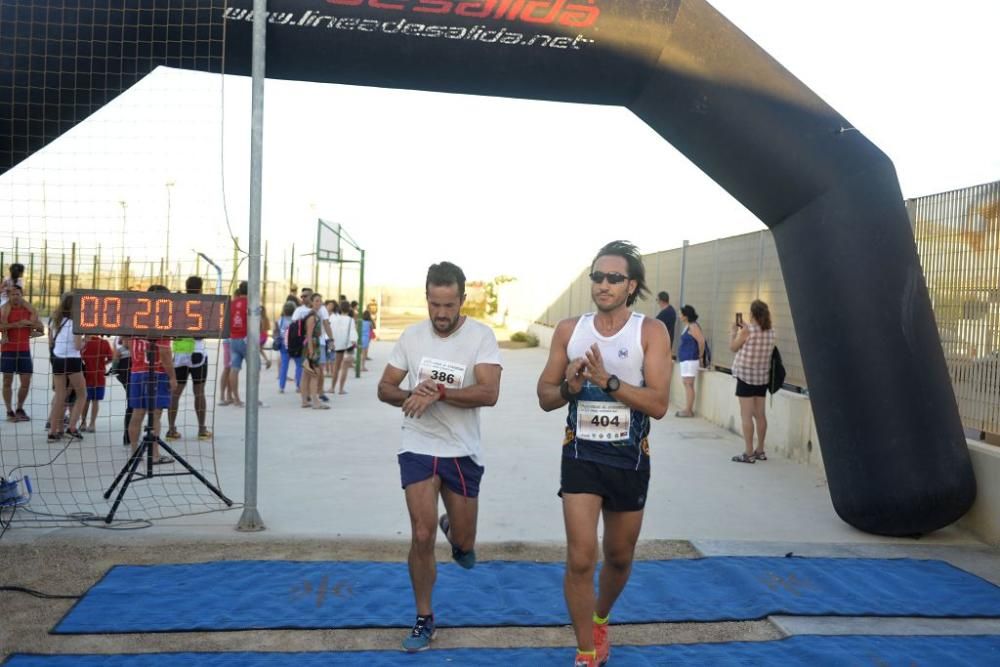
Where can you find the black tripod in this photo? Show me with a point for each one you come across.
(145, 449)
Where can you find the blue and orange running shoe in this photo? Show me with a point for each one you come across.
(421, 635)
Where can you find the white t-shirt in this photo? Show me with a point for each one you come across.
(302, 311)
(341, 325)
(444, 430)
(63, 341)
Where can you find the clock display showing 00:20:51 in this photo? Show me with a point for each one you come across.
(160, 314)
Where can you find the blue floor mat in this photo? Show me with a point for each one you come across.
(245, 595)
(805, 650)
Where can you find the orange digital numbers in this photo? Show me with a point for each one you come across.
(107, 320)
(161, 305)
(85, 321)
(145, 310)
(157, 314)
(193, 310)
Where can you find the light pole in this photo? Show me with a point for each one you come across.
(169, 185)
(124, 205)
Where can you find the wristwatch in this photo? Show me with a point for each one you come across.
(614, 384)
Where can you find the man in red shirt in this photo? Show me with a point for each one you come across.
(96, 355)
(237, 340)
(150, 385)
(18, 320)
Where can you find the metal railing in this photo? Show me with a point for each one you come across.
(958, 238)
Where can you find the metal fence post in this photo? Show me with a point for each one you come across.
(251, 519)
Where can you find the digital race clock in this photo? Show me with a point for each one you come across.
(150, 314)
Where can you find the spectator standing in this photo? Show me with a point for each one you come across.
(345, 339)
(18, 321)
(67, 370)
(366, 336)
(121, 362)
(190, 361)
(96, 355)
(689, 353)
(667, 314)
(753, 343)
(238, 324)
(281, 340)
(313, 378)
(15, 279)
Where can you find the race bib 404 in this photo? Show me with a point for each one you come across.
(448, 373)
(602, 421)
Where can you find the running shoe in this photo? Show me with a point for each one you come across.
(74, 434)
(585, 660)
(421, 635)
(602, 643)
(172, 434)
(466, 559)
(204, 434)
(22, 416)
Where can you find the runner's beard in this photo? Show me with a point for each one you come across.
(446, 326)
(611, 306)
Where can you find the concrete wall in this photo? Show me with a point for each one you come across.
(792, 434)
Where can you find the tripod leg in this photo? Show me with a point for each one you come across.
(136, 455)
(131, 466)
(201, 478)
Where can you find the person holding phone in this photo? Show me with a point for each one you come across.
(689, 353)
(752, 342)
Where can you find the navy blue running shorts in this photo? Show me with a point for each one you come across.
(459, 475)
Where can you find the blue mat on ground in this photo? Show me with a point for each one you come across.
(245, 595)
(806, 650)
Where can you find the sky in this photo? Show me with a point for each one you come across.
(413, 179)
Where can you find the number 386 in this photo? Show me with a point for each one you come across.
(443, 376)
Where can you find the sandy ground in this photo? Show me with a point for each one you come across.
(71, 567)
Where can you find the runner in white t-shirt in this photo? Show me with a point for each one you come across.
(453, 364)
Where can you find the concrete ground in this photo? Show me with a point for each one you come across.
(328, 489)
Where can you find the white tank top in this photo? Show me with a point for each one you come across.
(622, 352)
(598, 427)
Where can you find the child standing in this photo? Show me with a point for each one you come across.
(96, 354)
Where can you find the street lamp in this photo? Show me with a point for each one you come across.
(169, 184)
(124, 205)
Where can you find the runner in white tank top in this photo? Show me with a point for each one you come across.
(598, 427)
(612, 368)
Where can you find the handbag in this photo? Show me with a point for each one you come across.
(776, 374)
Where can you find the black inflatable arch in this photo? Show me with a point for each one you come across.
(893, 445)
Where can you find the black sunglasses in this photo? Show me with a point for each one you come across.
(613, 278)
